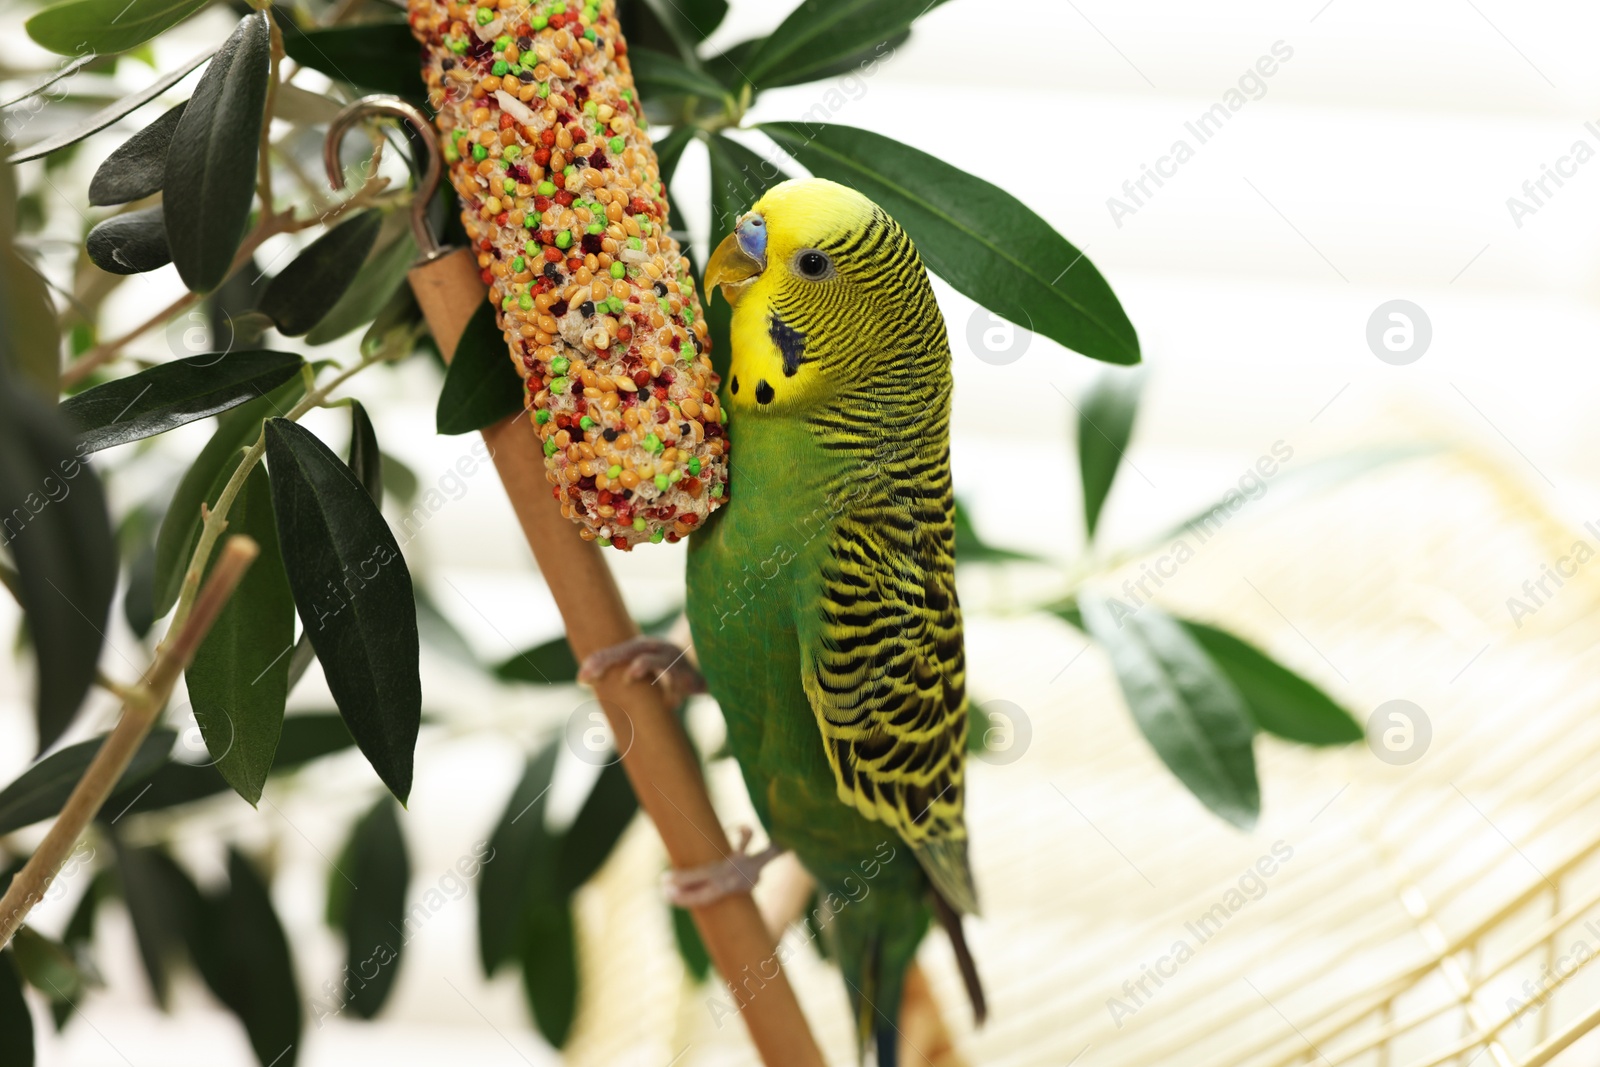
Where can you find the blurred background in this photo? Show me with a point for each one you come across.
(1377, 163)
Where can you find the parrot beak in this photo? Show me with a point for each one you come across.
(739, 259)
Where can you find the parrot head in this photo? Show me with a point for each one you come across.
(824, 287)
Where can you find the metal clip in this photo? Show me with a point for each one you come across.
(428, 245)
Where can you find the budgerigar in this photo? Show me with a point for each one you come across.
(822, 596)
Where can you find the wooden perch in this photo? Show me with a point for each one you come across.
(661, 765)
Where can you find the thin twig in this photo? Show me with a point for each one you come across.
(139, 712)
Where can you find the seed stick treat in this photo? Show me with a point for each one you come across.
(562, 200)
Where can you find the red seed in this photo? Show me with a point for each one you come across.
(548, 136)
(552, 254)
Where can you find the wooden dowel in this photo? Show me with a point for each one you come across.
(661, 765)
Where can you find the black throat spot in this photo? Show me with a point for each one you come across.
(791, 343)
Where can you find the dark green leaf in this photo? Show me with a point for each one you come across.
(174, 394)
(695, 19)
(524, 856)
(375, 284)
(550, 663)
(250, 969)
(107, 115)
(365, 459)
(353, 593)
(980, 239)
(311, 735)
(439, 632)
(669, 150)
(53, 521)
(1188, 709)
(397, 479)
(239, 679)
(820, 33)
(970, 548)
(166, 908)
(211, 163)
(137, 539)
(42, 790)
(136, 170)
(202, 484)
(15, 1021)
(548, 952)
(47, 966)
(1280, 701)
(131, 243)
(656, 72)
(372, 906)
(80, 928)
(863, 61)
(482, 385)
(66, 70)
(307, 289)
(106, 26)
(30, 339)
(378, 56)
(1106, 413)
(593, 834)
(691, 949)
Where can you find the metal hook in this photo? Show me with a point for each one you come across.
(427, 244)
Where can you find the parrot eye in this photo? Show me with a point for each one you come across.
(813, 265)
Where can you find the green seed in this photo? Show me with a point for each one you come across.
(544, 90)
(560, 364)
(657, 537)
(485, 16)
(613, 471)
(511, 151)
(541, 417)
(651, 443)
(661, 482)
(500, 68)
(586, 423)
(564, 239)
(450, 153)
(549, 446)
(501, 43)
(618, 144)
(619, 271)
(526, 303)
(604, 542)
(547, 188)
(638, 523)
(479, 152)
(694, 465)
(458, 45)
(538, 22)
(635, 244)
(510, 185)
(519, 265)
(558, 386)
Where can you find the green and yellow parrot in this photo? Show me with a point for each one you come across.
(822, 596)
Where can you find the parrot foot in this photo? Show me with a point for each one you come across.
(647, 659)
(696, 887)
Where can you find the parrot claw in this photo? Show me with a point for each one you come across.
(696, 887)
(649, 659)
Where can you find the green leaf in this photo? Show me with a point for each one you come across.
(131, 243)
(1106, 414)
(656, 72)
(307, 289)
(523, 867)
(202, 483)
(239, 679)
(53, 522)
(979, 238)
(376, 281)
(372, 906)
(971, 548)
(353, 593)
(669, 150)
(66, 70)
(1187, 709)
(250, 969)
(381, 57)
(136, 169)
(106, 26)
(174, 394)
(691, 949)
(695, 19)
(47, 966)
(438, 631)
(109, 114)
(166, 908)
(396, 478)
(1280, 701)
(30, 339)
(311, 735)
(80, 928)
(594, 832)
(211, 163)
(482, 386)
(820, 33)
(550, 663)
(41, 791)
(15, 1020)
(366, 461)
(548, 952)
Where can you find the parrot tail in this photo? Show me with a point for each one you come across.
(874, 938)
(950, 919)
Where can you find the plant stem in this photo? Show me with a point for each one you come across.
(139, 711)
